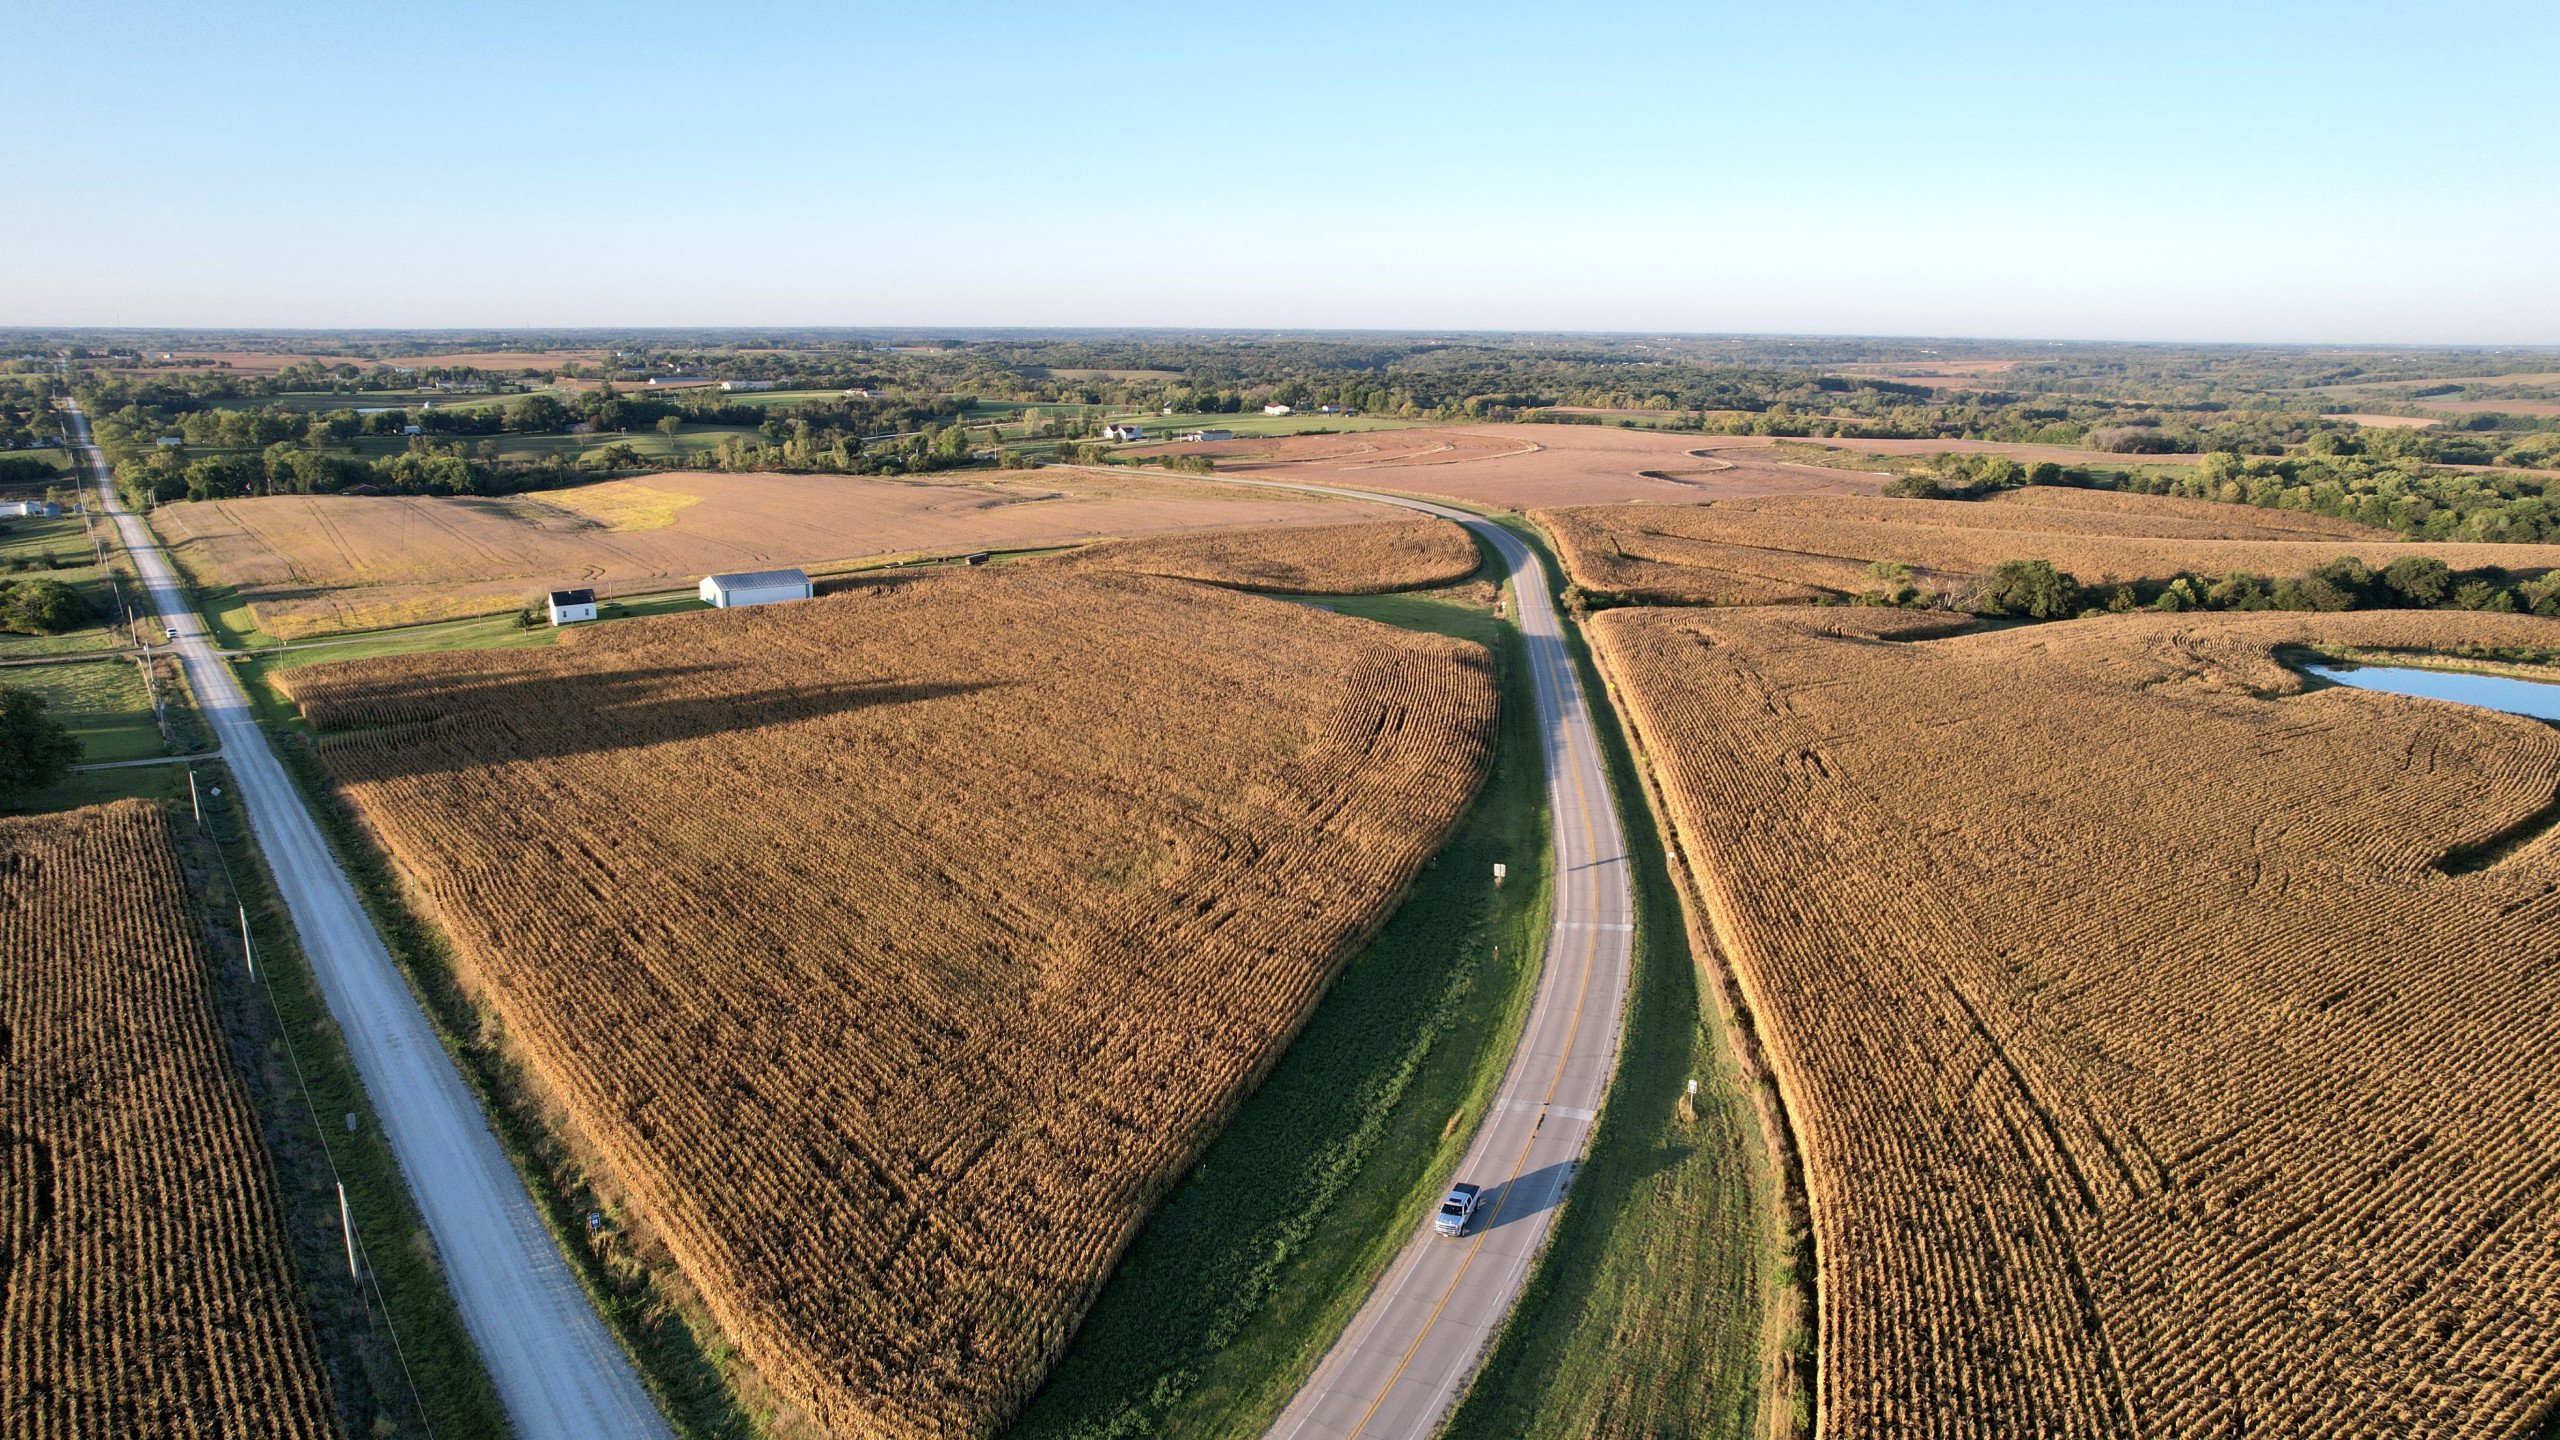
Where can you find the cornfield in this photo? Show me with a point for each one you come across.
(1364, 558)
(2171, 1048)
(145, 1288)
(898, 949)
(1800, 548)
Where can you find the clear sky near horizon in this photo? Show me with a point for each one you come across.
(2281, 172)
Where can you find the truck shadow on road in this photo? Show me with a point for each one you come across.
(1535, 1193)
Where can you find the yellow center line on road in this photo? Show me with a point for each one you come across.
(1590, 957)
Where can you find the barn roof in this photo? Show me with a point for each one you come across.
(758, 579)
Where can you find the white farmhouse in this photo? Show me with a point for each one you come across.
(568, 607)
(1124, 432)
(755, 587)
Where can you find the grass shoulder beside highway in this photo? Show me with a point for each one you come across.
(1235, 1289)
(1656, 1308)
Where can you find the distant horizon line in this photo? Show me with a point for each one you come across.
(9, 331)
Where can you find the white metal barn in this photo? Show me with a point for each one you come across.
(756, 587)
(1197, 436)
(24, 509)
(568, 607)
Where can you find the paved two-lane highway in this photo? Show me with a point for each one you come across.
(558, 1371)
(1415, 1344)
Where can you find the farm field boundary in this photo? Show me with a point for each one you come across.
(1237, 1286)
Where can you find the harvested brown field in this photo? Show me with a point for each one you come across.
(1365, 558)
(500, 360)
(896, 950)
(142, 1250)
(1793, 550)
(2386, 422)
(1518, 466)
(243, 362)
(2019, 451)
(2170, 1046)
(2490, 407)
(310, 564)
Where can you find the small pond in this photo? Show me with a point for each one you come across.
(2490, 692)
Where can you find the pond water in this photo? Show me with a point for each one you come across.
(2490, 692)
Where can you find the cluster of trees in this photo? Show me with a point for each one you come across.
(2036, 590)
(2381, 478)
(36, 750)
(26, 416)
(41, 607)
(2393, 492)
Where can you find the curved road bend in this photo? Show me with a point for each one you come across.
(1410, 1352)
(558, 1371)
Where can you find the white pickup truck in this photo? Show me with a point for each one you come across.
(1457, 1210)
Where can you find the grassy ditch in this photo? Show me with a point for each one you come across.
(1235, 1289)
(400, 1360)
(1652, 1311)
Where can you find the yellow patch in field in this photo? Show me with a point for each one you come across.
(623, 504)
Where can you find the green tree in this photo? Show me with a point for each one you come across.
(2418, 580)
(41, 607)
(536, 414)
(2031, 589)
(36, 751)
(670, 426)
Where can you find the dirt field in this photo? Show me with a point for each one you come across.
(1517, 466)
(2490, 407)
(504, 360)
(896, 950)
(1367, 558)
(142, 1248)
(2058, 454)
(244, 362)
(2170, 1049)
(1796, 549)
(2387, 422)
(311, 564)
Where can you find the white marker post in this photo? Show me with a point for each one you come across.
(347, 1223)
(194, 798)
(1499, 871)
(247, 951)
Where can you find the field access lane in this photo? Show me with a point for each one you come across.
(1416, 1343)
(557, 1369)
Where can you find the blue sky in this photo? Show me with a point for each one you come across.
(2323, 172)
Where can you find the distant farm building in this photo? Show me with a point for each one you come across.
(755, 587)
(22, 509)
(1197, 436)
(1275, 408)
(736, 385)
(1124, 432)
(168, 442)
(568, 607)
